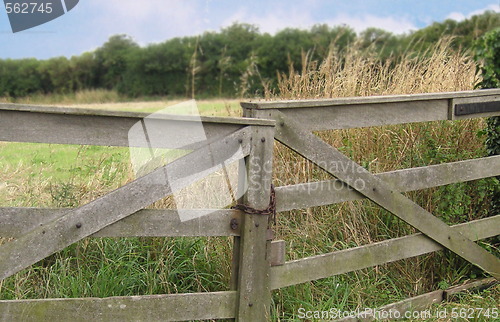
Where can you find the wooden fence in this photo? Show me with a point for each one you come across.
(258, 265)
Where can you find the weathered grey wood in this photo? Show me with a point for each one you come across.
(291, 133)
(278, 248)
(19, 123)
(352, 259)
(172, 307)
(92, 217)
(254, 295)
(235, 256)
(355, 116)
(352, 112)
(382, 99)
(327, 192)
(49, 109)
(15, 222)
(415, 305)
(478, 285)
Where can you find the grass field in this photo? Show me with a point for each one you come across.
(43, 175)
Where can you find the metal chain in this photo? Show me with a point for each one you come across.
(269, 211)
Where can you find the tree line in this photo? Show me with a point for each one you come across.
(236, 60)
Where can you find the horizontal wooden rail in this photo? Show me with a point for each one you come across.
(418, 303)
(328, 192)
(15, 222)
(353, 112)
(172, 307)
(348, 260)
(45, 124)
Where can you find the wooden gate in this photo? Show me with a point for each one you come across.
(258, 265)
(295, 123)
(36, 233)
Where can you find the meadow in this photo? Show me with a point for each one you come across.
(43, 175)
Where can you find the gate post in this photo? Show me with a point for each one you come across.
(254, 294)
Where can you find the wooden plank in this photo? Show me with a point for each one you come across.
(364, 115)
(172, 307)
(92, 217)
(417, 308)
(408, 309)
(235, 256)
(381, 99)
(354, 112)
(15, 222)
(254, 298)
(328, 192)
(473, 286)
(352, 259)
(50, 109)
(107, 128)
(278, 249)
(290, 133)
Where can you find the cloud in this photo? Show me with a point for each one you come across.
(278, 19)
(281, 19)
(459, 16)
(397, 25)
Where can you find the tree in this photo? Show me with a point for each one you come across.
(112, 59)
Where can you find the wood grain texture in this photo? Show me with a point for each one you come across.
(172, 307)
(254, 294)
(356, 112)
(15, 222)
(352, 259)
(38, 124)
(383, 99)
(311, 194)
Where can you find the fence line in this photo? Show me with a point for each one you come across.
(258, 264)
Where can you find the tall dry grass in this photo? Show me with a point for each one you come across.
(359, 72)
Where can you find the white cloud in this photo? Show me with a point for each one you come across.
(274, 21)
(459, 16)
(297, 18)
(396, 25)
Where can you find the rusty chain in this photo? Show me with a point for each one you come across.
(269, 211)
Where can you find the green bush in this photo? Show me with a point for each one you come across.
(488, 59)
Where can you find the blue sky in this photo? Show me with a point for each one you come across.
(91, 22)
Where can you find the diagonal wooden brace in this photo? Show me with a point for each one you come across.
(290, 132)
(116, 205)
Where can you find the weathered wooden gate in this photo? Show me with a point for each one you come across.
(37, 233)
(295, 123)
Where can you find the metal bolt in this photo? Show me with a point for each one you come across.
(234, 224)
(79, 225)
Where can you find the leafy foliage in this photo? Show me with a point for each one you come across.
(488, 57)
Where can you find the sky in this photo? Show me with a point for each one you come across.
(92, 22)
